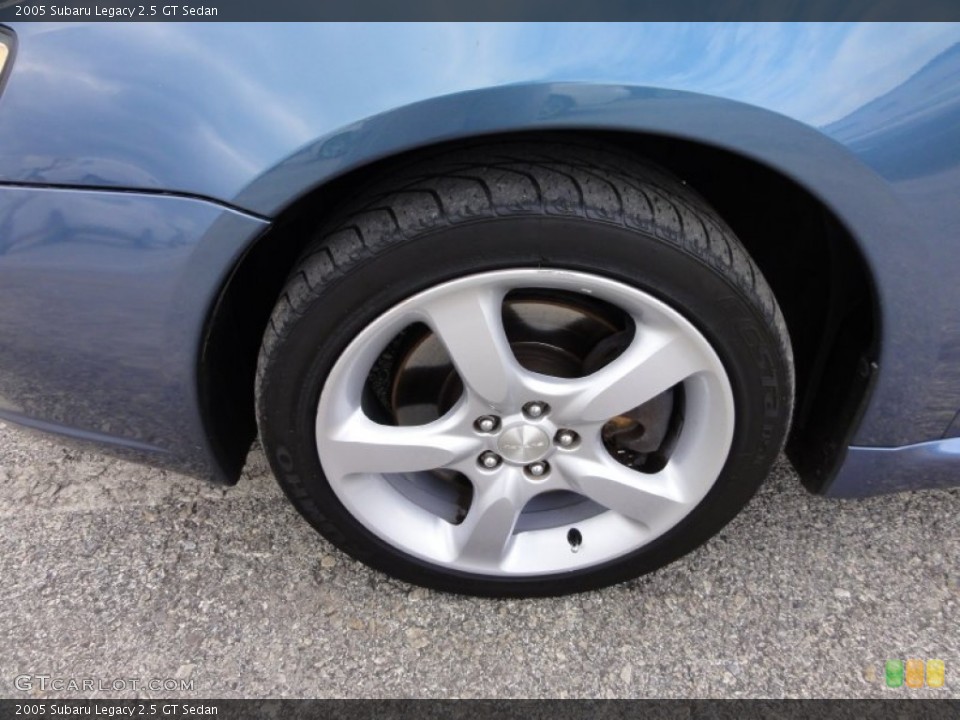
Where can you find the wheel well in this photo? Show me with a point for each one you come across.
(810, 260)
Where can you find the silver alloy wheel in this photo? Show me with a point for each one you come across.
(358, 455)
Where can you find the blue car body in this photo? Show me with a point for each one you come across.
(148, 172)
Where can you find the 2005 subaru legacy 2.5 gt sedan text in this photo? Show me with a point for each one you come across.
(516, 309)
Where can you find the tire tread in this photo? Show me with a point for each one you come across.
(561, 179)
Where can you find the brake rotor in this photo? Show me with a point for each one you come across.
(559, 335)
(548, 336)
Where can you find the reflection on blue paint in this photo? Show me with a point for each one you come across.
(865, 116)
(206, 108)
(103, 297)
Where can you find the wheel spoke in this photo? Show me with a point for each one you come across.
(470, 325)
(360, 445)
(485, 534)
(654, 362)
(641, 497)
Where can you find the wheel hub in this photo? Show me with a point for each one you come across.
(523, 444)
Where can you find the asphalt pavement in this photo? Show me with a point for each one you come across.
(114, 572)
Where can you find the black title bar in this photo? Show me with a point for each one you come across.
(489, 709)
(479, 10)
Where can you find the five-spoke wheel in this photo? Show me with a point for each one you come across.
(520, 442)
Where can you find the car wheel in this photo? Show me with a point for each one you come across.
(524, 369)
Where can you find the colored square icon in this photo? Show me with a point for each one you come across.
(936, 673)
(894, 673)
(914, 673)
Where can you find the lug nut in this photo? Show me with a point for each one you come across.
(537, 469)
(535, 410)
(566, 438)
(487, 423)
(489, 460)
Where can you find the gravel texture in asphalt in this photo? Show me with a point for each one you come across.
(113, 571)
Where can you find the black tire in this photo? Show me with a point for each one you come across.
(566, 204)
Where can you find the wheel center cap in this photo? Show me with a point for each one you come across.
(523, 444)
